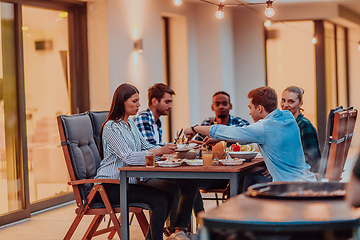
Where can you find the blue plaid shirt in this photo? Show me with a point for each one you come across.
(145, 123)
(233, 121)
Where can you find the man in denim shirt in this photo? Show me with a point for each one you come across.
(276, 133)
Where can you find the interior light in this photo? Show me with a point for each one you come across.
(222, 1)
(220, 12)
(25, 28)
(359, 46)
(63, 14)
(267, 23)
(135, 33)
(138, 46)
(314, 40)
(177, 2)
(269, 11)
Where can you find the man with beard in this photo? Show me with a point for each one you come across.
(148, 122)
(221, 106)
(160, 104)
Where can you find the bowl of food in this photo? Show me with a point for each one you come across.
(243, 154)
(187, 155)
(185, 147)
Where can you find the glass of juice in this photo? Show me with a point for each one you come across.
(207, 158)
(150, 158)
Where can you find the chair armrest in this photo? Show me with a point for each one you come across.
(98, 180)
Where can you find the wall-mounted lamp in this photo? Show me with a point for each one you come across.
(314, 40)
(138, 46)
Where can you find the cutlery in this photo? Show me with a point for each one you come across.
(177, 138)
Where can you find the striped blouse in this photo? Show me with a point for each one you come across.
(123, 145)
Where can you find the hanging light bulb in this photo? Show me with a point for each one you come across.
(222, 1)
(269, 11)
(267, 23)
(314, 40)
(177, 2)
(220, 12)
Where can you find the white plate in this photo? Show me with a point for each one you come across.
(194, 162)
(185, 147)
(168, 164)
(232, 162)
(243, 154)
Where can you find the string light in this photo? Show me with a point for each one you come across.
(267, 23)
(177, 2)
(269, 11)
(220, 12)
(314, 40)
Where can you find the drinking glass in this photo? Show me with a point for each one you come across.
(150, 158)
(216, 155)
(207, 158)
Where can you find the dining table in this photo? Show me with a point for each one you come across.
(218, 171)
(276, 218)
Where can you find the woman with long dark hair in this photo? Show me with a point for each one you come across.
(121, 145)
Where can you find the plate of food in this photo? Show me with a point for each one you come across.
(194, 162)
(231, 162)
(243, 154)
(185, 147)
(168, 164)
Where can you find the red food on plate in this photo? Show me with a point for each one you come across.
(235, 148)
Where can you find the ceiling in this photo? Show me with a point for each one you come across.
(354, 5)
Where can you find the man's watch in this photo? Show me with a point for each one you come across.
(193, 128)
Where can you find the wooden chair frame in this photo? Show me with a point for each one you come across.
(225, 194)
(83, 205)
(340, 140)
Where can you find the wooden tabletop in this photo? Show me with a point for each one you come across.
(186, 168)
(248, 213)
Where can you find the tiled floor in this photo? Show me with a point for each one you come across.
(54, 223)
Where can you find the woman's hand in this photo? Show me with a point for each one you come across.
(167, 149)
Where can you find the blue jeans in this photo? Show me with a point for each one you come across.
(254, 178)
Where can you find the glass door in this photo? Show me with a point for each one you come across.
(11, 178)
(47, 95)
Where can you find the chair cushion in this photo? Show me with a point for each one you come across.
(97, 119)
(82, 148)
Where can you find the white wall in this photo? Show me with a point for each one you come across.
(98, 55)
(291, 61)
(354, 79)
(249, 57)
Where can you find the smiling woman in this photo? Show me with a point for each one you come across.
(292, 100)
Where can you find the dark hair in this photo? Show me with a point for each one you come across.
(157, 91)
(222, 92)
(264, 96)
(117, 109)
(299, 91)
